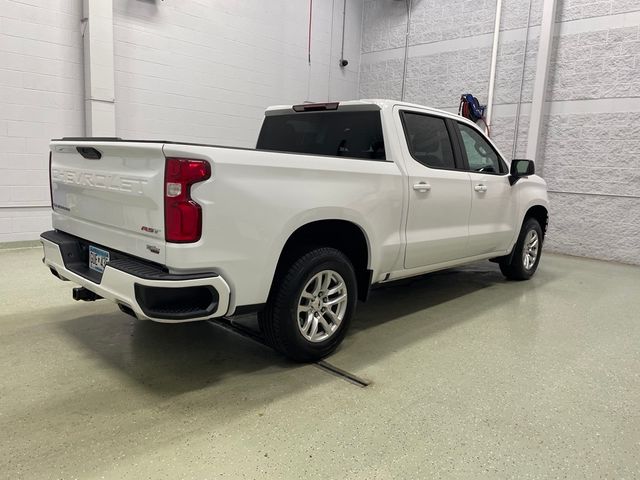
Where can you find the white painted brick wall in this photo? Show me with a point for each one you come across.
(608, 153)
(40, 98)
(386, 25)
(205, 71)
(23, 224)
(579, 9)
(597, 64)
(439, 79)
(594, 226)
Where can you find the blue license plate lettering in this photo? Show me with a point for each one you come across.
(98, 259)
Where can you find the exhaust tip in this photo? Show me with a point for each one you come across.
(127, 309)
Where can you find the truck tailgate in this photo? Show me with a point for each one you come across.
(110, 193)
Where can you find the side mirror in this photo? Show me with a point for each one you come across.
(521, 168)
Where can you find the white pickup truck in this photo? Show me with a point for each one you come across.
(336, 197)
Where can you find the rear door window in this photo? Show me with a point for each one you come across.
(428, 140)
(335, 133)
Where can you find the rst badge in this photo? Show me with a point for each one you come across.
(144, 228)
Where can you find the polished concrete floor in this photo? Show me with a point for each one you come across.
(472, 377)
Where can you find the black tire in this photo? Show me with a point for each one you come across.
(279, 320)
(513, 266)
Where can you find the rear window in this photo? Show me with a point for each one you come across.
(340, 134)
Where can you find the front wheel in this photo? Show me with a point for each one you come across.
(311, 305)
(527, 251)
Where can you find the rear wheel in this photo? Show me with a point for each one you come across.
(527, 251)
(311, 305)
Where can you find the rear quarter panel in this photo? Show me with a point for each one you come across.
(256, 199)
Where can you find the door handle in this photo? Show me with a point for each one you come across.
(422, 187)
(480, 188)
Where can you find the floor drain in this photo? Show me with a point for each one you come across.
(338, 372)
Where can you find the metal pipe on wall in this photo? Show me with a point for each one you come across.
(406, 49)
(344, 21)
(516, 129)
(309, 51)
(309, 31)
(494, 62)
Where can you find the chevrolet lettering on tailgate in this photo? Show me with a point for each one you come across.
(99, 180)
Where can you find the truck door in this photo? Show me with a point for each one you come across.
(439, 191)
(493, 206)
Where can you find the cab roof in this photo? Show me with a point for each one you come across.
(362, 104)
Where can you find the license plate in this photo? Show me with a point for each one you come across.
(98, 259)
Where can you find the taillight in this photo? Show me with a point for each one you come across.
(50, 182)
(182, 215)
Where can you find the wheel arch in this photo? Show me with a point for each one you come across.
(541, 214)
(537, 211)
(344, 235)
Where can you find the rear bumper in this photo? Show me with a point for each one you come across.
(138, 287)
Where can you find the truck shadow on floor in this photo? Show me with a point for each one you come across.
(173, 359)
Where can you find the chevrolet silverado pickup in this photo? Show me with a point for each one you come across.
(335, 198)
